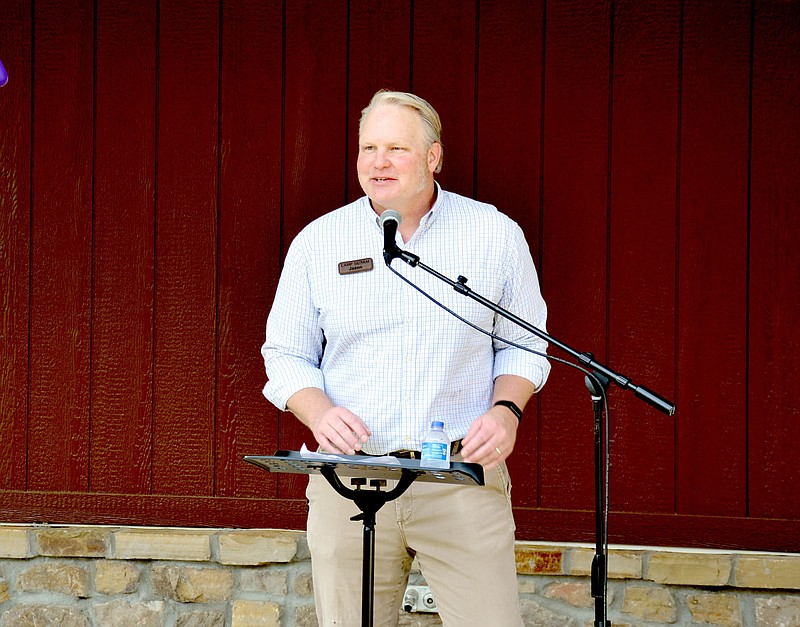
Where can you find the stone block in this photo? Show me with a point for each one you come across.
(72, 542)
(4, 595)
(304, 584)
(255, 614)
(689, 569)
(649, 603)
(306, 616)
(777, 611)
(14, 543)
(768, 571)
(116, 577)
(144, 614)
(533, 561)
(35, 615)
(255, 548)
(621, 564)
(193, 585)
(715, 609)
(201, 619)
(420, 619)
(269, 580)
(535, 614)
(575, 594)
(58, 577)
(163, 544)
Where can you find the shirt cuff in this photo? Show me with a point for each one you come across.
(285, 381)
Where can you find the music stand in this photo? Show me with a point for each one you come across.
(376, 470)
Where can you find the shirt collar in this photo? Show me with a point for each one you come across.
(424, 222)
(435, 210)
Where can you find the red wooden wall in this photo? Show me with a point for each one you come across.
(158, 156)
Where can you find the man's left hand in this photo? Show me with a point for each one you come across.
(490, 438)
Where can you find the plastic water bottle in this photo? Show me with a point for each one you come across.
(435, 447)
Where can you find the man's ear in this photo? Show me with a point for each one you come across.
(434, 156)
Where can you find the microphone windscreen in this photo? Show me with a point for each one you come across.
(390, 214)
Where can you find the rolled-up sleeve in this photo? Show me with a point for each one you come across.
(521, 296)
(294, 341)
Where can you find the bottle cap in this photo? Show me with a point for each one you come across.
(437, 424)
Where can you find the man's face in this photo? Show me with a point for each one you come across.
(395, 165)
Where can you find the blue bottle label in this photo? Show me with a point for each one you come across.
(434, 450)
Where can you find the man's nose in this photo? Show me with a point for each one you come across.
(381, 159)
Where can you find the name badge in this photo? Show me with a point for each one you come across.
(358, 265)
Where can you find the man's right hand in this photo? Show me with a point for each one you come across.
(336, 429)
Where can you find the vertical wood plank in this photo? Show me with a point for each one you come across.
(316, 112)
(62, 238)
(250, 212)
(122, 402)
(15, 208)
(379, 57)
(186, 248)
(443, 72)
(315, 127)
(574, 252)
(509, 110)
(774, 299)
(508, 158)
(712, 273)
(641, 332)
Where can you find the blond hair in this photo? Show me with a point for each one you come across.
(431, 124)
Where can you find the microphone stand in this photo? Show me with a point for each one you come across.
(587, 359)
(597, 384)
(601, 376)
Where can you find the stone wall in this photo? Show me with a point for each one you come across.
(116, 576)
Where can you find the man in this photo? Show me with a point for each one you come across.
(367, 362)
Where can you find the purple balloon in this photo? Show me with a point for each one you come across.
(3, 75)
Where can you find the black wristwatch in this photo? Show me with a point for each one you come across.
(512, 406)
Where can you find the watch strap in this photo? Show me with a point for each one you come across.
(512, 406)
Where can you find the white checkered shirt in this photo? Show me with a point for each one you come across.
(381, 349)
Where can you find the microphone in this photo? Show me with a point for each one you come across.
(389, 221)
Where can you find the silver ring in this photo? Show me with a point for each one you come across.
(499, 452)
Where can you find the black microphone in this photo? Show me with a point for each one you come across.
(389, 221)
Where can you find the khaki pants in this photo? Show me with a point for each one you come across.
(462, 536)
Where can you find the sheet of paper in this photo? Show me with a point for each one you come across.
(305, 453)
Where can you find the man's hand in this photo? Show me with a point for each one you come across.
(490, 438)
(338, 430)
